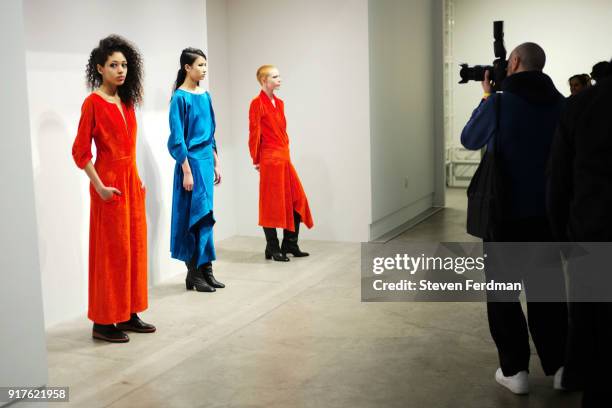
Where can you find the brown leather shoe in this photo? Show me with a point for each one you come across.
(108, 332)
(136, 325)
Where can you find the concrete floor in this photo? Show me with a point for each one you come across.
(296, 335)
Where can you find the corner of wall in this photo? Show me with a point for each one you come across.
(22, 346)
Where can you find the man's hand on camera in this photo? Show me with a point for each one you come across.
(486, 85)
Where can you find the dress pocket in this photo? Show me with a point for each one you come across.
(95, 196)
(109, 179)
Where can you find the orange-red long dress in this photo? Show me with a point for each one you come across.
(280, 190)
(118, 227)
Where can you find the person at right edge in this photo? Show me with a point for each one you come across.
(282, 200)
(580, 203)
(530, 107)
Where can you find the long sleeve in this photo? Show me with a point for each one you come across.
(481, 126)
(81, 148)
(255, 130)
(560, 168)
(176, 141)
(214, 124)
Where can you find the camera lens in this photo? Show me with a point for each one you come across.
(475, 73)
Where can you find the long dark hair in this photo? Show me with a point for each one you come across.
(131, 90)
(188, 57)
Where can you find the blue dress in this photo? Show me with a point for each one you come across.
(192, 136)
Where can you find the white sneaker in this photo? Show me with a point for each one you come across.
(518, 383)
(557, 380)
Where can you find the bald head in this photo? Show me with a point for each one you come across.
(526, 57)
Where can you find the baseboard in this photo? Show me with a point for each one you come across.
(394, 224)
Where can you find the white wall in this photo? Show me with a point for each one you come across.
(574, 34)
(404, 60)
(23, 358)
(59, 38)
(353, 170)
(219, 78)
(321, 50)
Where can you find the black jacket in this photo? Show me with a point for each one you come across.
(580, 185)
(530, 110)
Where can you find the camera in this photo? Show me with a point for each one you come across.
(497, 71)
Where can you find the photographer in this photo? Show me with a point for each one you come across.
(579, 208)
(529, 109)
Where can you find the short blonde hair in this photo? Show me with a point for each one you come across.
(263, 72)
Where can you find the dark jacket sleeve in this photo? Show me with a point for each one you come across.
(560, 177)
(481, 126)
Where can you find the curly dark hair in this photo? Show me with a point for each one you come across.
(131, 90)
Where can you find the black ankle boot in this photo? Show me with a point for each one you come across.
(108, 332)
(290, 240)
(196, 280)
(136, 325)
(207, 271)
(276, 254)
(273, 250)
(292, 248)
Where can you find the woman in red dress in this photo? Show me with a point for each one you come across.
(282, 201)
(118, 227)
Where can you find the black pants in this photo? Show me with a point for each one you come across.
(589, 357)
(596, 322)
(589, 354)
(291, 236)
(546, 321)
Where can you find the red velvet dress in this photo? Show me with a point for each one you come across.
(118, 227)
(280, 190)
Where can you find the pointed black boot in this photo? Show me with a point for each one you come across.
(207, 271)
(290, 240)
(273, 250)
(195, 280)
